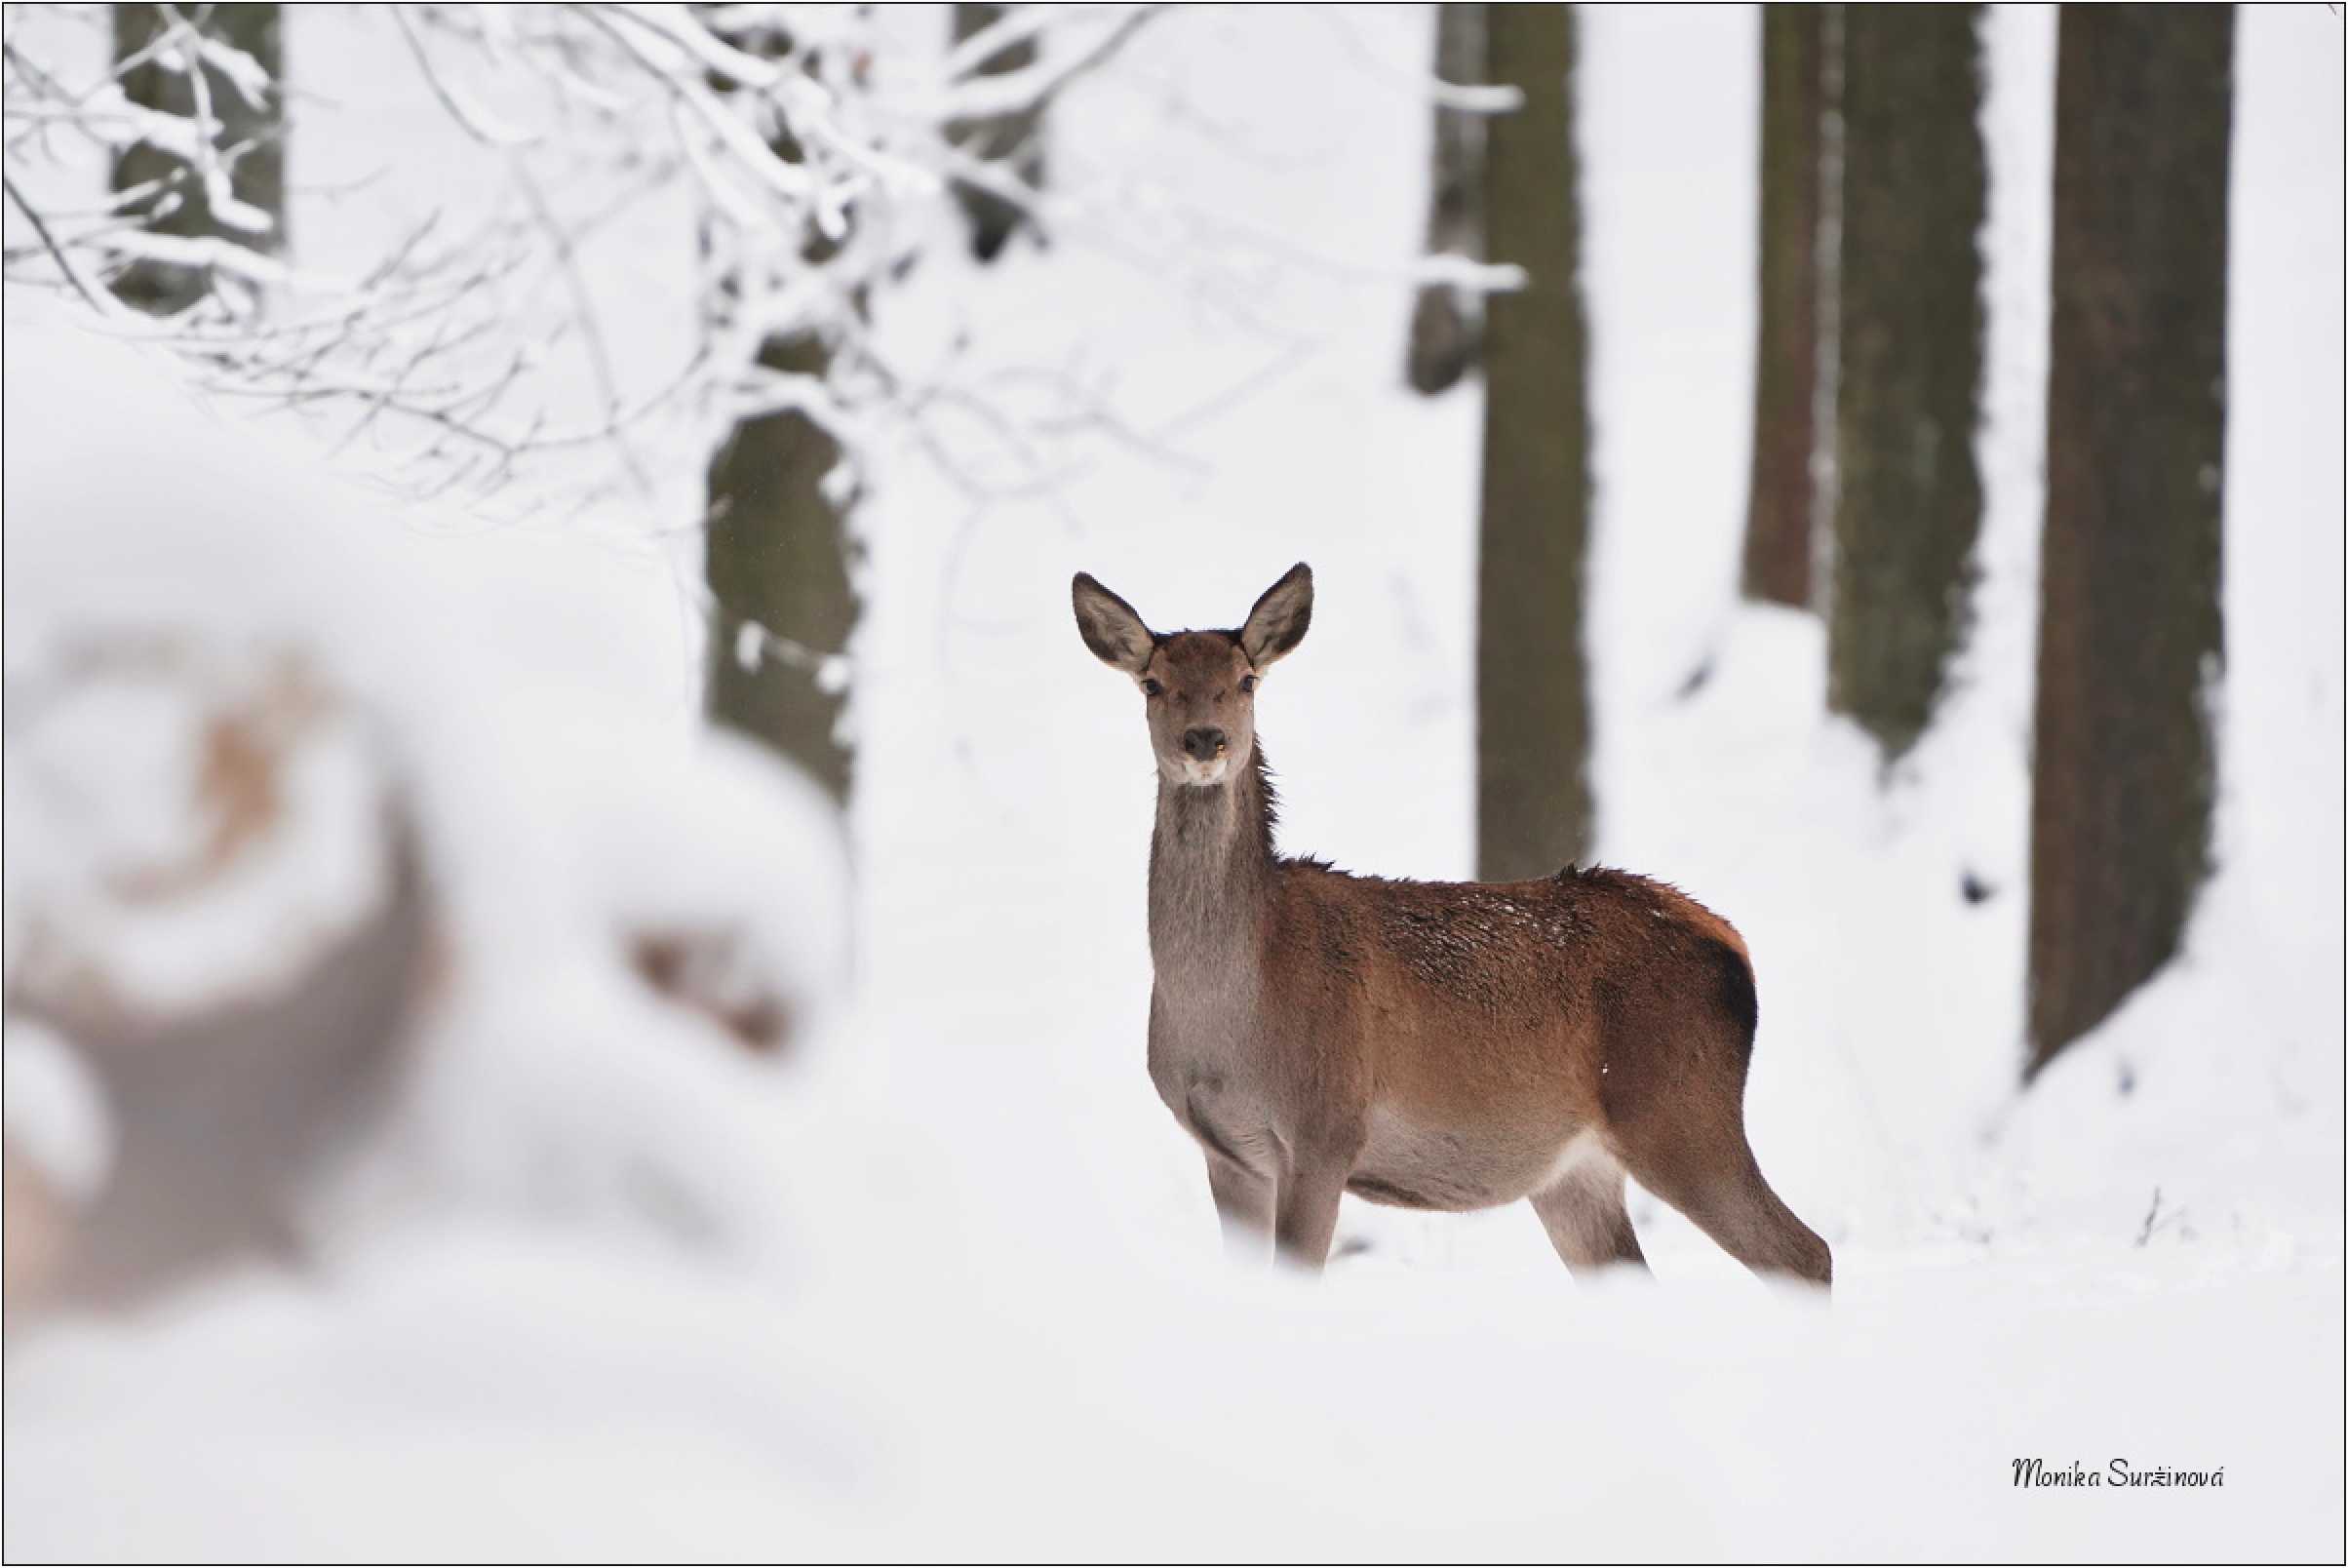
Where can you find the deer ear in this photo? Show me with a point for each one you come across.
(1109, 627)
(1279, 621)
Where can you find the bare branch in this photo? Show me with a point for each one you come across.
(481, 127)
(469, 355)
(98, 300)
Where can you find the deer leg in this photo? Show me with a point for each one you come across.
(1307, 1219)
(1583, 1212)
(1727, 1197)
(1243, 1205)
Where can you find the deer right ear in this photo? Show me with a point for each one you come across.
(1109, 627)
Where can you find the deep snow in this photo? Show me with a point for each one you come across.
(953, 1288)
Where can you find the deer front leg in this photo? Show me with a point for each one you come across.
(1307, 1221)
(1243, 1205)
(1240, 1151)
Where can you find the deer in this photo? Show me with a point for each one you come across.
(1446, 1046)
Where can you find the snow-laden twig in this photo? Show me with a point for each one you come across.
(1463, 97)
(475, 122)
(1034, 86)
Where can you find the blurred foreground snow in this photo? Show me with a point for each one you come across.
(242, 698)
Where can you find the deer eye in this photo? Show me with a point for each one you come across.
(1247, 683)
(1153, 689)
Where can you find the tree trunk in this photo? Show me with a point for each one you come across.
(250, 146)
(1533, 804)
(777, 553)
(2131, 635)
(777, 562)
(1908, 504)
(1015, 141)
(1778, 530)
(1445, 324)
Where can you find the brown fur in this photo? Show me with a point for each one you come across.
(1439, 1046)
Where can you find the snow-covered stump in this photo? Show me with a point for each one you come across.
(218, 923)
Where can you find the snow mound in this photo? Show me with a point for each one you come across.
(297, 779)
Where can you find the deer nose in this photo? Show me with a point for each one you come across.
(1204, 744)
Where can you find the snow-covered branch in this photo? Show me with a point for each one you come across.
(809, 140)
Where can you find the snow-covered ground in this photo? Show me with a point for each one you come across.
(947, 1285)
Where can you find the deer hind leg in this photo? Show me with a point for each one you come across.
(1582, 1211)
(1715, 1182)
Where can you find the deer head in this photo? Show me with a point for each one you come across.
(1199, 689)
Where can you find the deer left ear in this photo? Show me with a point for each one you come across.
(1110, 626)
(1279, 621)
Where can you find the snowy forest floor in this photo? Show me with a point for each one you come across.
(968, 1300)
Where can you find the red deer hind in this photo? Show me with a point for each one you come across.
(1435, 1045)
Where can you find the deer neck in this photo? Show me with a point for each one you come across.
(1210, 872)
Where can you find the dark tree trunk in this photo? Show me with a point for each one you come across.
(251, 143)
(779, 550)
(777, 554)
(1778, 541)
(1908, 501)
(1445, 324)
(2131, 633)
(1014, 141)
(1533, 803)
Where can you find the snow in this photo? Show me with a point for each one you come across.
(56, 1113)
(524, 691)
(944, 1280)
(130, 873)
